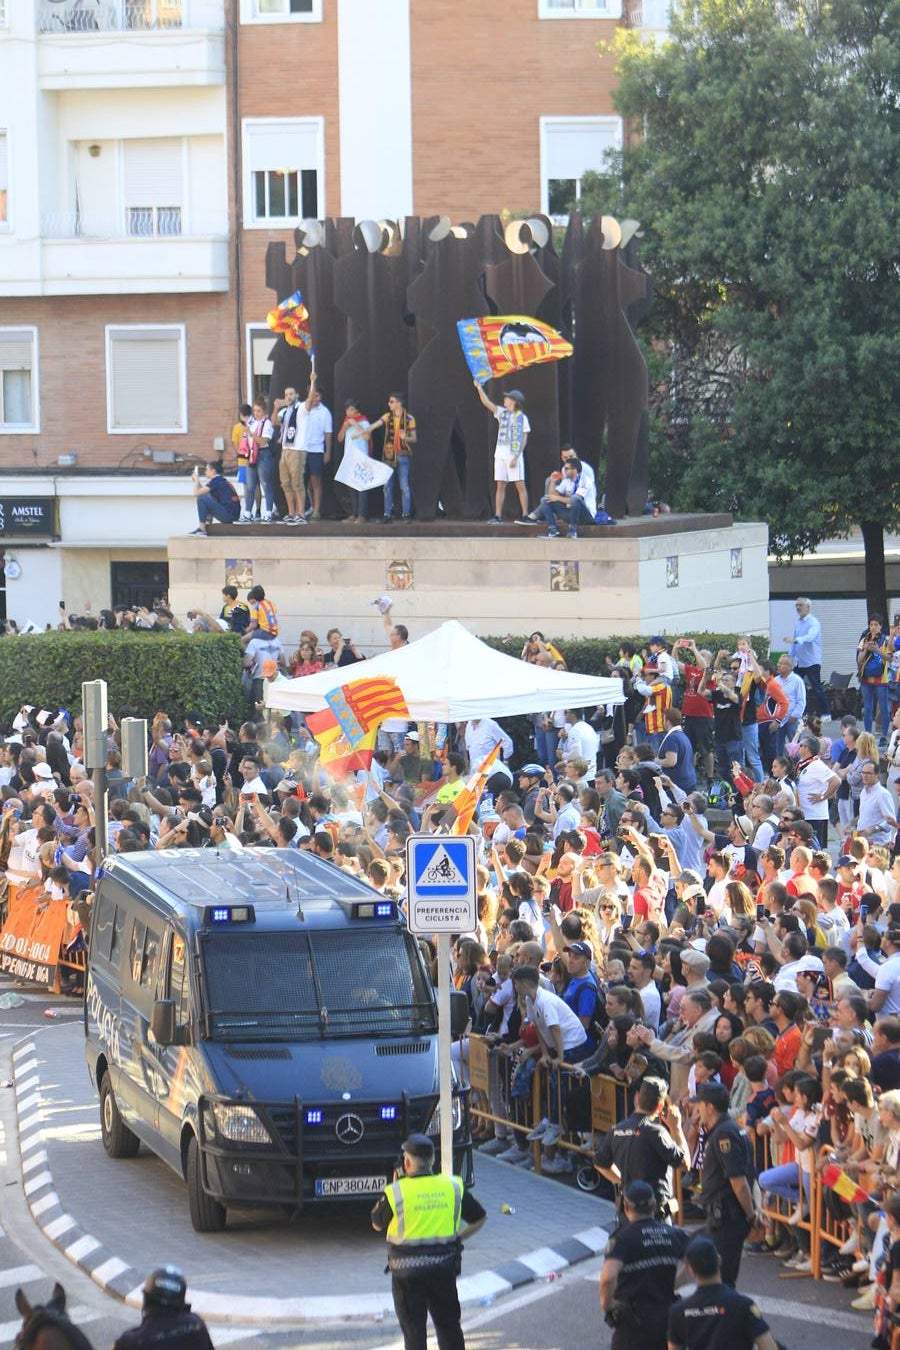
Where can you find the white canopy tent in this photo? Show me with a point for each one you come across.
(450, 676)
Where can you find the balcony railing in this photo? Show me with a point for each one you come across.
(139, 222)
(92, 16)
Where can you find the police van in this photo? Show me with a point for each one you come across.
(263, 1022)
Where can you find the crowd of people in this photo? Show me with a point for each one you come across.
(694, 893)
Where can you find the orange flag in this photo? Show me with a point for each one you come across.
(470, 796)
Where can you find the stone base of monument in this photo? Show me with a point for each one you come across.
(668, 574)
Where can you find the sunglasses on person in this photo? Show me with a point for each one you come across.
(607, 909)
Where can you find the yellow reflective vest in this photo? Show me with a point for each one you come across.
(425, 1210)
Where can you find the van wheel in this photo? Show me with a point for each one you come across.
(207, 1215)
(118, 1140)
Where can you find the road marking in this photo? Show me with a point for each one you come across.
(46, 1202)
(20, 1275)
(229, 1334)
(36, 1161)
(57, 1227)
(82, 1248)
(109, 1270)
(36, 1183)
(543, 1261)
(800, 1312)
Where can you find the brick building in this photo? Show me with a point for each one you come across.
(150, 150)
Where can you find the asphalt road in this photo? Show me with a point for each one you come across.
(558, 1314)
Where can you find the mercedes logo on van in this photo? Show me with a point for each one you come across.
(349, 1128)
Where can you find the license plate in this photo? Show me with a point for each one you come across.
(350, 1186)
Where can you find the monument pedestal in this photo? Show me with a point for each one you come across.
(667, 574)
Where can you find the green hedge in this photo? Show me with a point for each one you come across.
(176, 672)
(588, 656)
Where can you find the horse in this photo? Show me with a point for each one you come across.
(46, 1326)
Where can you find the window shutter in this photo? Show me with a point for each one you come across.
(146, 380)
(16, 350)
(283, 146)
(153, 173)
(573, 147)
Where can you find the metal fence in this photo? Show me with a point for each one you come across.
(98, 16)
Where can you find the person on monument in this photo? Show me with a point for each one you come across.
(509, 452)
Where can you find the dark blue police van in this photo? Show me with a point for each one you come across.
(264, 1023)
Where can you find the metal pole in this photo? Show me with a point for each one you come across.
(101, 816)
(446, 1077)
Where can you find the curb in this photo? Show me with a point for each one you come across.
(122, 1281)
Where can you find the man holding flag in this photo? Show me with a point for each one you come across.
(509, 453)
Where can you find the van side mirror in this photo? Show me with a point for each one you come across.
(459, 1013)
(162, 1021)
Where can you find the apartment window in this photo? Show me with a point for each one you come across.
(570, 146)
(283, 170)
(18, 380)
(145, 379)
(2, 13)
(4, 177)
(281, 11)
(260, 345)
(153, 179)
(579, 9)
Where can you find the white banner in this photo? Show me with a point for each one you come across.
(359, 472)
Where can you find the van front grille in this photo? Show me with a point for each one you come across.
(389, 1048)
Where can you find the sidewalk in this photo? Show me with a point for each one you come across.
(117, 1219)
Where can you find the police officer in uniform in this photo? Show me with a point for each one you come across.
(715, 1317)
(421, 1214)
(727, 1179)
(637, 1282)
(167, 1319)
(646, 1145)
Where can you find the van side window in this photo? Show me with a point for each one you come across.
(179, 987)
(136, 953)
(102, 927)
(148, 964)
(117, 940)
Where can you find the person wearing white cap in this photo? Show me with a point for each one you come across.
(513, 428)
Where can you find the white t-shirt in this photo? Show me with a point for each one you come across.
(582, 742)
(787, 975)
(548, 1010)
(888, 978)
(812, 780)
(504, 998)
(312, 428)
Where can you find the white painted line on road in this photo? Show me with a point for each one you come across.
(35, 1161)
(27, 1066)
(24, 1050)
(57, 1227)
(25, 1145)
(595, 1238)
(32, 1122)
(28, 1083)
(544, 1261)
(33, 1099)
(802, 1312)
(82, 1248)
(109, 1270)
(36, 1183)
(486, 1284)
(229, 1334)
(46, 1202)
(20, 1275)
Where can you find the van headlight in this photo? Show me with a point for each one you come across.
(434, 1124)
(240, 1124)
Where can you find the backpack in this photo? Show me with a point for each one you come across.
(719, 795)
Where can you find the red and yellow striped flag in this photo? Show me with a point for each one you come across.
(374, 699)
(470, 796)
(843, 1185)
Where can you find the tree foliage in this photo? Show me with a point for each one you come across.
(765, 178)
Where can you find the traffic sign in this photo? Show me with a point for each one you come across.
(440, 883)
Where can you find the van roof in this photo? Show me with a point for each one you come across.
(268, 878)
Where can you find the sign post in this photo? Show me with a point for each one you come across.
(440, 882)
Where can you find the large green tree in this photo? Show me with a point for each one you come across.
(761, 161)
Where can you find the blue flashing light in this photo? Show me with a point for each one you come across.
(384, 911)
(314, 1117)
(389, 1113)
(222, 915)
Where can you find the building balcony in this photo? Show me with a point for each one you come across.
(158, 43)
(650, 15)
(156, 250)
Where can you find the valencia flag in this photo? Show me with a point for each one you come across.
(470, 796)
(364, 704)
(291, 319)
(498, 345)
(337, 756)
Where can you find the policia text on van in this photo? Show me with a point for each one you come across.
(264, 1023)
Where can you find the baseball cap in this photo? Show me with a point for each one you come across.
(640, 1194)
(532, 770)
(517, 395)
(581, 948)
(845, 861)
(42, 770)
(412, 736)
(716, 1094)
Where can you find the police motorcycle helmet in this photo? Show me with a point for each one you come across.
(165, 1288)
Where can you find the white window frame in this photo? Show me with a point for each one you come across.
(610, 120)
(252, 331)
(249, 14)
(248, 125)
(111, 330)
(582, 9)
(33, 427)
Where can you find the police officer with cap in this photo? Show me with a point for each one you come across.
(646, 1145)
(422, 1215)
(637, 1282)
(715, 1315)
(727, 1179)
(167, 1319)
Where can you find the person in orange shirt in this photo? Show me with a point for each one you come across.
(785, 1007)
(771, 707)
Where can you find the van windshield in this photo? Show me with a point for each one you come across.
(314, 985)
